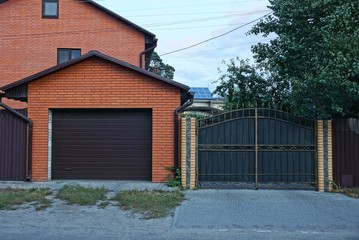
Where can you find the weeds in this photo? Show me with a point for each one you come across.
(12, 198)
(351, 192)
(174, 177)
(151, 204)
(79, 195)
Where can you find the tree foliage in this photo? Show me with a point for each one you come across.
(243, 86)
(157, 66)
(311, 67)
(317, 51)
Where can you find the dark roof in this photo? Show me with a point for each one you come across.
(118, 17)
(87, 56)
(1, 1)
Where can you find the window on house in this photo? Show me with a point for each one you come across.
(50, 8)
(66, 54)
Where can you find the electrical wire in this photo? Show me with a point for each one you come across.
(199, 19)
(191, 13)
(218, 36)
(238, 45)
(181, 6)
(76, 32)
(203, 26)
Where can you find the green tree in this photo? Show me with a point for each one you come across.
(245, 86)
(317, 51)
(157, 66)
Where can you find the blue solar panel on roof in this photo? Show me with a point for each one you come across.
(201, 93)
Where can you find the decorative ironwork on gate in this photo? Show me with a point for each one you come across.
(256, 146)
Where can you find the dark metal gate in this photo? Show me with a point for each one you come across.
(260, 147)
(13, 146)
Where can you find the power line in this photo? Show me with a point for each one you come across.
(218, 36)
(175, 7)
(203, 26)
(191, 13)
(198, 19)
(94, 30)
(49, 34)
(238, 45)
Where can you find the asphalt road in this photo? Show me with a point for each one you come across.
(206, 214)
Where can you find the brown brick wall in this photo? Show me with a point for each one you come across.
(96, 83)
(28, 42)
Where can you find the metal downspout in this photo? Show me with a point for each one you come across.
(176, 113)
(144, 52)
(29, 147)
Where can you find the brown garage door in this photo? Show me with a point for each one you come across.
(102, 144)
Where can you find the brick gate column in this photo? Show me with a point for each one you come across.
(188, 153)
(324, 156)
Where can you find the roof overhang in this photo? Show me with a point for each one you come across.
(18, 90)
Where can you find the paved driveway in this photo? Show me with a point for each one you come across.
(299, 213)
(207, 214)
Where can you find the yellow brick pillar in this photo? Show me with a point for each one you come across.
(193, 173)
(324, 156)
(188, 153)
(183, 152)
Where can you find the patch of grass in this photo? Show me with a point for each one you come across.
(152, 204)
(12, 198)
(80, 195)
(351, 192)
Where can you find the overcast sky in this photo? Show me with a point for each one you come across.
(180, 23)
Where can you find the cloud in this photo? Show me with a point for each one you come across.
(196, 67)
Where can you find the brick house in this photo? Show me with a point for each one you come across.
(95, 114)
(39, 34)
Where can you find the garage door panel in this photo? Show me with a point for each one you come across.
(105, 164)
(63, 156)
(101, 129)
(108, 143)
(88, 169)
(102, 144)
(103, 148)
(101, 176)
(110, 138)
(103, 152)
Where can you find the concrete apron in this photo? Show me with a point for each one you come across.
(110, 185)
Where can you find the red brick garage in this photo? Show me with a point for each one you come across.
(75, 105)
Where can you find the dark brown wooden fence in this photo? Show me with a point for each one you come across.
(346, 152)
(13, 146)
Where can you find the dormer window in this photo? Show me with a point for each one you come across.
(50, 8)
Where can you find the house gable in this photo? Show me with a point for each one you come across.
(83, 25)
(18, 90)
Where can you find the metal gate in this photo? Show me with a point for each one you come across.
(256, 147)
(13, 146)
